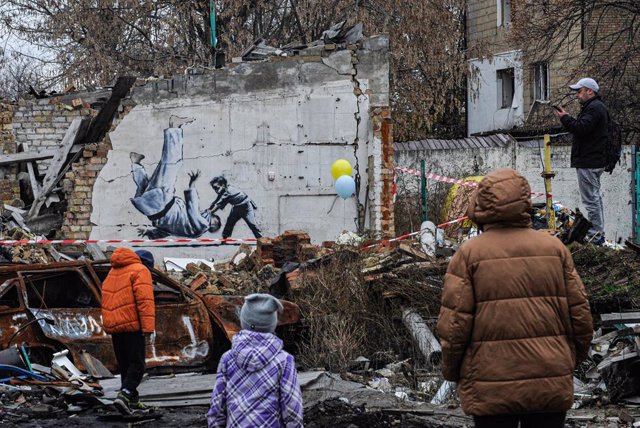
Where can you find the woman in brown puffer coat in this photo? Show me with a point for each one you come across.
(515, 320)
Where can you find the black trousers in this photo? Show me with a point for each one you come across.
(129, 350)
(245, 212)
(526, 420)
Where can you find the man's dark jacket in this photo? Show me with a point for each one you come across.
(590, 133)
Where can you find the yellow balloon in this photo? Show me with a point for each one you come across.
(340, 167)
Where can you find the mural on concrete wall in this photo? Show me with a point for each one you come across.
(273, 151)
(242, 207)
(172, 215)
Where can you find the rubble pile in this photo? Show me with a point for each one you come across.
(368, 311)
(30, 391)
(353, 303)
(611, 277)
(339, 36)
(250, 271)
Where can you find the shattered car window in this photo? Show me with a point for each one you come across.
(162, 293)
(9, 296)
(58, 290)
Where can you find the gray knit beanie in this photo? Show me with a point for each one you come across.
(260, 313)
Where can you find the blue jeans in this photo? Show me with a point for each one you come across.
(591, 195)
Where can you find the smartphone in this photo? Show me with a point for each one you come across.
(556, 107)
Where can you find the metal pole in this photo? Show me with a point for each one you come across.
(423, 190)
(548, 175)
(212, 19)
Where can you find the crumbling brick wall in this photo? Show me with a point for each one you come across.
(78, 187)
(43, 123)
(383, 131)
(9, 188)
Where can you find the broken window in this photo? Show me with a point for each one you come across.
(9, 297)
(506, 87)
(583, 26)
(60, 289)
(162, 293)
(504, 13)
(541, 81)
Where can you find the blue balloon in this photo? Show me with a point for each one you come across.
(345, 186)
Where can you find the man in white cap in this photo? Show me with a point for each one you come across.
(588, 151)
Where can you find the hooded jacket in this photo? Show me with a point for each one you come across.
(127, 295)
(256, 385)
(590, 131)
(515, 319)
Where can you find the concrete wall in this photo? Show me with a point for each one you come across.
(485, 111)
(617, 187)
(272, 129)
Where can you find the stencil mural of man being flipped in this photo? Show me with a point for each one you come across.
(155, 196)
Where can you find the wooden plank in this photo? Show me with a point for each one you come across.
(26, 156)
(56, 164)
(102, 122)
(31, 169)
(408, 249)
(35, 186)
(620, 318)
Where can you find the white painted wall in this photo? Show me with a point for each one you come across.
(617, 187)
(272, 129)
(485, 113)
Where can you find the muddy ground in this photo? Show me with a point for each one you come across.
(332, 413)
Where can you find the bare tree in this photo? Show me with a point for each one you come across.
(96, 41)
(18, 72)
(597, 38)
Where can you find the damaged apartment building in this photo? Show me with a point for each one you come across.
(508, 113)
(119, 163)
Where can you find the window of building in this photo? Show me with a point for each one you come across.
(541, 81)
(506, 87)
(504, 13)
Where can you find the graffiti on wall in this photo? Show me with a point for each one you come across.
(242, 207)
(172, 215)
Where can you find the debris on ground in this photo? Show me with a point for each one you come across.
(32, 391)
(368, 311)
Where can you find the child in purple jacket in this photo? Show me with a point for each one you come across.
(257, 382)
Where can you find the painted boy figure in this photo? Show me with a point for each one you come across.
(243, 207)
(155, 196)
(257, 382)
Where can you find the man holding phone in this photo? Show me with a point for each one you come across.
(588, 151)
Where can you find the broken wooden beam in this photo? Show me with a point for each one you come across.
(26, 157)
(620, 318)
(406, 248)
(76, 130)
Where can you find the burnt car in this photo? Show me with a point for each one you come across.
(56, 306)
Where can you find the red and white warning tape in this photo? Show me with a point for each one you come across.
(408, 235)
(212, 241)
(442, 178)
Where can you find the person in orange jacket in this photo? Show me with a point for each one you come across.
(128, 314)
